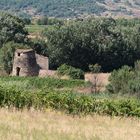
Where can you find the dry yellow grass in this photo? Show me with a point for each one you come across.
(35, 125)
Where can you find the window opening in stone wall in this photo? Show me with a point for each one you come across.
(17, 71)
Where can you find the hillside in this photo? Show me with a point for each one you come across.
(72, 8)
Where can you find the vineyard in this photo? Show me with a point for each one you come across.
(54, 94)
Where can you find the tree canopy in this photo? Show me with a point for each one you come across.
(12, 29)
(92, 41)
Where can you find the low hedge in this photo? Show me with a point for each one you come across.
(72, 72)
(69, 102)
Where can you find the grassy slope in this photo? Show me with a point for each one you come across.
(33, 125)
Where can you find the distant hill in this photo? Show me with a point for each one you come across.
(72, 8)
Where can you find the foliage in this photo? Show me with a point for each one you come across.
(12, 29)
(27, 21)
(35, 83)
(108, 42)
(125, 81)
(68, 102)
(95, 68)
(40, 47)
(119, 80)
(41, 93)
(96, 40)
(74, 73)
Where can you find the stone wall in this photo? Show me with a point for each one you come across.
(43, 62)
(100, 79)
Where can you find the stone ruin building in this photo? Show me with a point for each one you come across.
(28, 63)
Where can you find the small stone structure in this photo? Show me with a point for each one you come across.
(28, 63)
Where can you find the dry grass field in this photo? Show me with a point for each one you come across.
(35, 125)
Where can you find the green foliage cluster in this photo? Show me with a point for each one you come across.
(12, 29)
(120, 80)
(105, 41)
(125, 81)
(70, 71)
(68, 102)
(95, 68)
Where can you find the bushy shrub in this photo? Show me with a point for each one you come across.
(120, 80)
(134, 83)
(125, 81)
(70, 71)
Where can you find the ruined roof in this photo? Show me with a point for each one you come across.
(24, 50)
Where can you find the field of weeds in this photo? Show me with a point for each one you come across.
(49, 125)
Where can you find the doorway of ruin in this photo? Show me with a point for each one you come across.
(18, 54)
(17, 71)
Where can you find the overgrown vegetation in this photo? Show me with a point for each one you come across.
(95, 68)
(36, 84)
(42, 93)
(125, 81)
(74, 73)
(68, 102)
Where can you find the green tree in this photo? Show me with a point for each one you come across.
(12, 29)
(87, 42)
